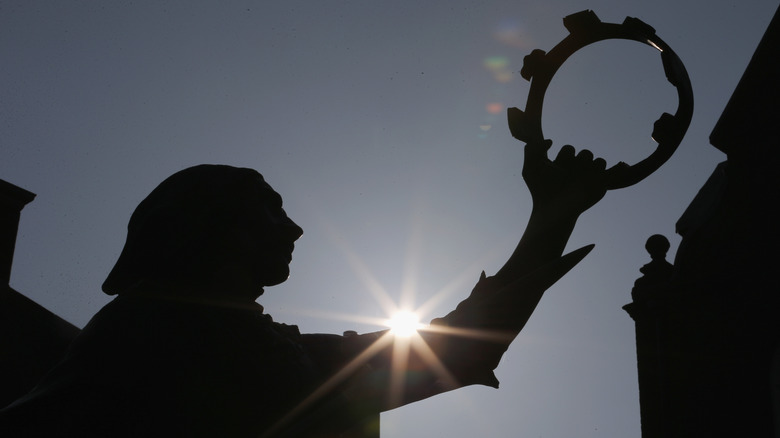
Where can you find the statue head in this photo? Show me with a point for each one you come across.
(209, 231)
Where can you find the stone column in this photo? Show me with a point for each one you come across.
(649, 310)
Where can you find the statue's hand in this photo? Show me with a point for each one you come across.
(566, 186)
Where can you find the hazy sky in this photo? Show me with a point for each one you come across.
(382, 124)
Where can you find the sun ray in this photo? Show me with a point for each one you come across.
(480, 334)
(411, 267)
(336, 316)
(463, 282)
(422, 348)
(398, 366)
(364, 274)
(326, 387)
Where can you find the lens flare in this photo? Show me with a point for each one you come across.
(499, 67)
(494, 63)
(494, 108)
(512, 33)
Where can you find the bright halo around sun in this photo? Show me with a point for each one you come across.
(404, 323)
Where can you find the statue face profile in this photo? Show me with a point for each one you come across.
(266, 236)
(209, 230)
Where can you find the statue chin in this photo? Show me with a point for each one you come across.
(272, 277)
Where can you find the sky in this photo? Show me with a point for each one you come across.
(382, 124)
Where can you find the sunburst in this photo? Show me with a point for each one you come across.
(404, 323)
(402, 335)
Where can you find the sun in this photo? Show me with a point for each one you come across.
(404, 323)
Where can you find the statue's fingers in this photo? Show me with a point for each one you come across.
(585, 157)
(565, 156)
(599, 164)
(597, 170)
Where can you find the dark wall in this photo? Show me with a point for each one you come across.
(32, 339)
(707, 333)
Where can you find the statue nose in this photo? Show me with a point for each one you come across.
(292, 229)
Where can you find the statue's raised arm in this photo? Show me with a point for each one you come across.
(468, 342)
(466, 345)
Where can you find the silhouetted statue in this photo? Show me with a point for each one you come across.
(184, 349)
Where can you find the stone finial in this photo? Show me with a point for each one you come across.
(657, 245)
(657, 273)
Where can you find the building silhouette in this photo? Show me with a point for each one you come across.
(707, 328)
(32, 339)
